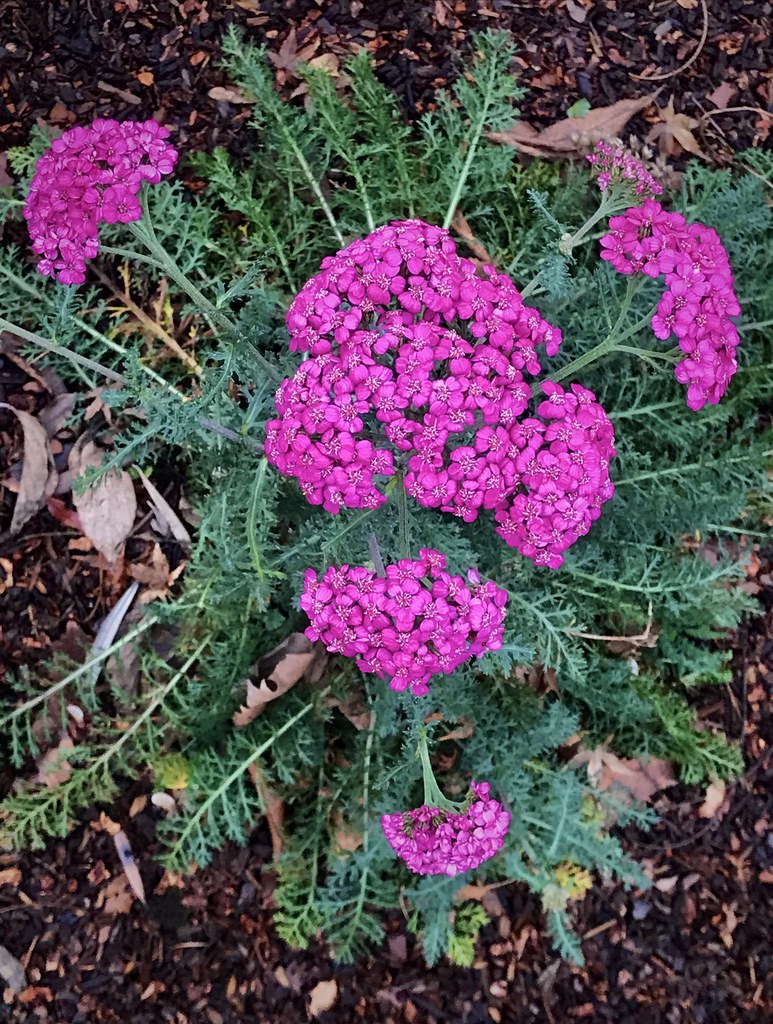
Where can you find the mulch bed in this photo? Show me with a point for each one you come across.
(68, 62)
(694, 949)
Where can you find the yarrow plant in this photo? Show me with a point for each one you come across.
(418, 401)
(91, 176)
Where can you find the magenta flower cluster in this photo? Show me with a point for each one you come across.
(412, 623)
(91, 176)
(438, 842)
(699, 299)
(449, 401)
(614, 166)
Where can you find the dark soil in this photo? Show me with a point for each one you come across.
(63, 62)
(695, 948)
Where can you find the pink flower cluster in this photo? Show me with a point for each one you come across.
(408, 625)
(614, 166)
(91, 176)
(451, 407)
(437, 842)
(699, 299)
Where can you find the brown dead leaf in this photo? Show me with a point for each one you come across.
(722, 95)
(53, 767)
(630, 778)
(164, 511)
(274, 674)
(346, 837)
(157, 577)
(56, 413)
(273, 806)
(289, 56)
(715, 802)
(106, 510)
(10, 876)
(576, 12)
(38, 476)
(463, 229)
(223, 94)
(673, 133)
(463, 732)
(322, 997)
(353, 708)
(116, 897)
(6, 181)
(574, 135)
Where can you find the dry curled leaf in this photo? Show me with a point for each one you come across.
(106, 510)
(38, 476)
(164, 511)
(273, 807)
(631, 779)
(673, 133)
(157, 577)
(53, 767)
(464, 231)
(228, 95)
(573, 136)
(275, 673)
(322, 997)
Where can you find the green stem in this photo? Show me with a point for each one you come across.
(51, 346)
(473, 146)
(402, 512)
(604, 348)
(129, 254)
(145, 234)
(433, 795)
(649, 353)
(97, 659)
(200, 812)
(612, 200)
(143, 231)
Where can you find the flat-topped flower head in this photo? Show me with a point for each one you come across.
(433, 841)
(91, 176)
(419, 363)
(414, 622)
(699, 300)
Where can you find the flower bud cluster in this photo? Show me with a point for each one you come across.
(699, 300)
(91, 176)
(614, 166)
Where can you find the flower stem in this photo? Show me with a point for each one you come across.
(402, 512)
(473, 144)
(50, 346)
(611, 201)
(612, 343)
(433, 796)
(144, 232)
